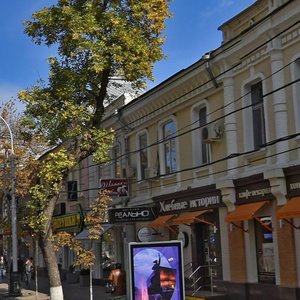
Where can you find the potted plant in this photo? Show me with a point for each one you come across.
(84, 277)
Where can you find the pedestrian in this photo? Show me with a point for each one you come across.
(28, 271)
(118, 277)
(3, 266)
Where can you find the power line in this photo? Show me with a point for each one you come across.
(271, 143)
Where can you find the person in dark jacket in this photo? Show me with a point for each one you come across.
(118, 278)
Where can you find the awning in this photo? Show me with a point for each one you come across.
(161, 221)
(290, 210)
(84, 234)
(190, 217)
(245, 212)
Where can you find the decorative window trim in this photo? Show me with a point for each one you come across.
(161, 144)
(196, 141)
(139, 175)
(247, 112)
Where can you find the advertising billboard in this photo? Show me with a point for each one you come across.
(156, 271)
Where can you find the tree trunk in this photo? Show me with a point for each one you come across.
(56, 291)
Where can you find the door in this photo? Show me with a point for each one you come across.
(208, 246)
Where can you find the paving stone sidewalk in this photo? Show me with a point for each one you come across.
(72, 291)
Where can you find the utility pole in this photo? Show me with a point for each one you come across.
(14, 278)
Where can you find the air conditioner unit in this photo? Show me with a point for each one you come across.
(212, 133)
(151, 172)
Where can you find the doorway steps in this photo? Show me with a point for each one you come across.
(205, 295)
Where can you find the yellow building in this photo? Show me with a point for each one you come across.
(214, 152)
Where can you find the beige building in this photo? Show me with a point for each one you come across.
(214, 152)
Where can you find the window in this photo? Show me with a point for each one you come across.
(72, 190)
(169, 147)
(143, 154)
(258, 120)
(201, 151)
(117, 162)
(204, 148)
(296, 92)
(254, 114)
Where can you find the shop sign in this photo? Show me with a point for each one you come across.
(69, 223)
(116, 187)
(293, 181)
(258, 189)
(130, 214)
(178, 205)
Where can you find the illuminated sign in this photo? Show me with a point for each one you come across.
(70, 223)
(156, 270)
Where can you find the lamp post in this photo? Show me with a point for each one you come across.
(14, 282)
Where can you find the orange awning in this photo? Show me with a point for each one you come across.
(245, 212)
(189, 217)
(290, 210)
(160, 221)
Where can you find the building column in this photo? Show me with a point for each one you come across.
(279, 100)
(228, 197)
(287, 255)
(230, 128)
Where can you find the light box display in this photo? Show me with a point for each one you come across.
(156, 271)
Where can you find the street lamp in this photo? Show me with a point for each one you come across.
(14, 283)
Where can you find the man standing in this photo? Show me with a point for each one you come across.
(28, 271)
(2, 268)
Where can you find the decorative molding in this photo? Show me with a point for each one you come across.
(290, 37)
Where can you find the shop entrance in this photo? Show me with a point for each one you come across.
(208, 246)
(264, 250)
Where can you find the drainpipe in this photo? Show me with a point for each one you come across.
(207, 57)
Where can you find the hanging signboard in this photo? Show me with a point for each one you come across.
(115, 186)
(130, 214)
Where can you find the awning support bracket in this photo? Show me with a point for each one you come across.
(263, 224)
(170, 228)
(239, 227)
(291, 223)
(203, 221)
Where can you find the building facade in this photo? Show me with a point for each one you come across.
(214, 152)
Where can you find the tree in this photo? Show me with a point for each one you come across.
(25, 164)
(97, 40)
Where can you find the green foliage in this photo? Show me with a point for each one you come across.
(96, 40)
(55, 166)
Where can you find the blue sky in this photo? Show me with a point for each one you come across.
(191, 32)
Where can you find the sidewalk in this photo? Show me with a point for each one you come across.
(72, 291)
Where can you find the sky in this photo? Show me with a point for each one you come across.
(190, 33)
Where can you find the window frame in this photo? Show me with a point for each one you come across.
(197, 134)
(72, 193)
(249, 142)
(168, 141)
(117, 160)
(142, 172)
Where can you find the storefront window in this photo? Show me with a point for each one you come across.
(265, 250)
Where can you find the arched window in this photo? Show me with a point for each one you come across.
(168, 147)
